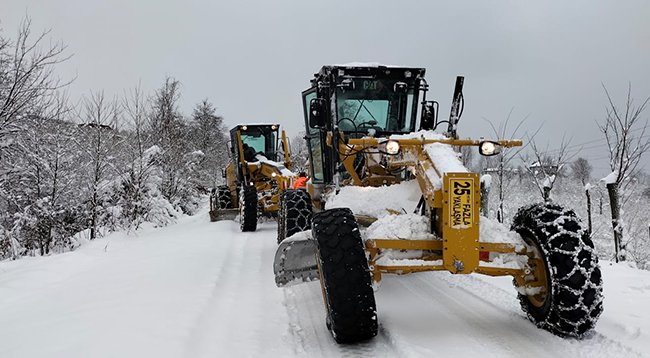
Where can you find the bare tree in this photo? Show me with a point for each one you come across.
(624, 131)
(581, 170)
(501, 162)
(137, 173)
(97, 140)
(26, 77)
(165, 120)
(545, 167)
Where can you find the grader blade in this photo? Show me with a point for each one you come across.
(295, 262)
(223, 214)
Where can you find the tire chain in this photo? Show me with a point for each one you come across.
(223, 197)
(576, 282)
(295, 213)
(248, 208)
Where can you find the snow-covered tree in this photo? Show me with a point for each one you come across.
(98, 142)
(208, 136)
(178, 162)
(581, 170)
(500, 166)
(545, 166)
(26, 78)
(299, 152)
(28, 91)
(624, 129)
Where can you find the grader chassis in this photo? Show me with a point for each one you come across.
(559, 283)
(255, 176)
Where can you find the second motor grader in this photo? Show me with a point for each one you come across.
(371, 130)
(259, 170)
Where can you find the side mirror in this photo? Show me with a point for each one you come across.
(428, 118)
(317, 112)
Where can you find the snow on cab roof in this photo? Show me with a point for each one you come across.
(368, 64)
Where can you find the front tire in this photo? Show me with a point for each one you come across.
(345, 278)
(248, 208)
(572, 300)
(224, 199)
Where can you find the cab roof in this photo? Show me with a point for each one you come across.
(255, 125)
(368, 70)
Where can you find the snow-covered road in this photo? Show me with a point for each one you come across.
(201, 289)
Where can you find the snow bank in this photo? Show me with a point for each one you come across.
(377, 201)
(202, 289)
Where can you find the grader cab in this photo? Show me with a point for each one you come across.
(259, 169)
(389, 195)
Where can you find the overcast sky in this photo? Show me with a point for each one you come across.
(546, 60)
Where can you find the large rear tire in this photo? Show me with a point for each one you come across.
(294, 214)
(345, 278)
(571, 301)
(248, 208)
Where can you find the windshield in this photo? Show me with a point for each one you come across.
(259, 140)
(375, 104)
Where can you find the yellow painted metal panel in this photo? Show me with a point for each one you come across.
(460, 215)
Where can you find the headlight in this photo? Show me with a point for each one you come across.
(274, 174)
(274, 127)
(489, 148)
(392, 147)
(244, 128)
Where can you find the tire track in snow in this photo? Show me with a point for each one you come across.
(465, 315)
(196, 334)
(242, 315)
(307, 329)
(500, 298)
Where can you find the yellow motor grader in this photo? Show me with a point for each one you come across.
(259, 170)
(371, 129)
